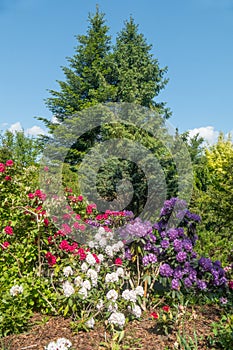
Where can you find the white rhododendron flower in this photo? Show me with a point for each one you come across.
(120, 272)
(101, 230)
(67, 271)
(129, 295)
(109, 235)
(86, 284)
(100, 305)
(139, 291)
(100, 257)
(102, 242)
(15, 290)
(84, 267)
(90, 323)
(109, 251)
(112, 295)
(117, 318)
(90, 259)
(91, 244)
(113, 307)
(83, 291)
(136, 310)
(60, 344)
(98, 236)
(93, 275)
(78, 281)
(68, 289)
(111, 277)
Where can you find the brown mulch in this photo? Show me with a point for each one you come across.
(138, 334)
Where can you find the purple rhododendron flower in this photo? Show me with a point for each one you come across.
(165, 243)
(166, 270)
(187, 282)
(181, 256)
(178, 245)
(175, 284)
(173, 234)
(201, 284)
(178, 272)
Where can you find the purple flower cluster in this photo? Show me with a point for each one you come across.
(173, 249)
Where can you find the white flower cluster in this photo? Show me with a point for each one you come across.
(90, 323)
(117, 318)
(111, 277)
(60, 344)
(67, 271)
(93, 275)
(112, 295)
(100, 304)
(102, 240)
(68, 289)
(129, 295)
(90, 259)
(136, 311)
(15, 290)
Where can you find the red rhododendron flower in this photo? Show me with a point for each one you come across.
(64, 245)
(230, 284)
(9, 162)
(31, 195)
(118, 261)
(51, 259)
(166, 308)
(5, 245)
(9, 230)
(154, 315)
(2, 168)
(96, 258)
(50, 240)
(46, 222)
(8, 178)
(80, 198)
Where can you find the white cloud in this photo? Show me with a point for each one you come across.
(35, 131)
(16, 127)
(54, 120)
(209, 134)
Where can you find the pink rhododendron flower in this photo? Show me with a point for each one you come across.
(8, 178)
(89, 209)
(9, 230)
(46, 168)
(9, 162)
(2, 168)
(51, 259)
(5, 245)
(31, 195)
(230, 284)
(80, 198)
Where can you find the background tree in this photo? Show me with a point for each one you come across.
(101, 74)
(139, 77)
(213, 198)
(21, 148)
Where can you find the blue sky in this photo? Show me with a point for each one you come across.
(192, 37)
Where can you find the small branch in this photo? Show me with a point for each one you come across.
(53, 308)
